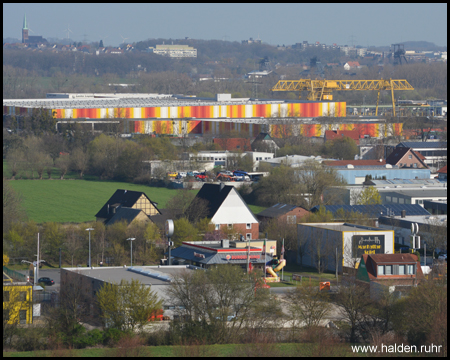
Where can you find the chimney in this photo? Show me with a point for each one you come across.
(403, 213)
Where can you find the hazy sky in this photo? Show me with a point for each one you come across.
(276, 24)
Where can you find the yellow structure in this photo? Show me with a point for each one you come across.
(319, 90)
(17, 301)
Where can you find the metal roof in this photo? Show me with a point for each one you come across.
(423, 145)
(377, 210)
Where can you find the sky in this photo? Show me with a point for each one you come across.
(275, 24)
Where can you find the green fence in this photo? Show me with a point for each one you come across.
(14, 274)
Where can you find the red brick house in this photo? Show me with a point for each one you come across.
(389, 272)
(338, 134)
(288, 214)
(406, 157)
(233, 144)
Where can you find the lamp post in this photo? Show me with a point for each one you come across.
(89, 229)
(131, 242)
(35, 264)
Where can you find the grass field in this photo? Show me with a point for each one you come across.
(79, 200)
(76, 200)
(229, 350)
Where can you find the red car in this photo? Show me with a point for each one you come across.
(201, 176)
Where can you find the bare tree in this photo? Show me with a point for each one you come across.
(307, 305)
(353, 299)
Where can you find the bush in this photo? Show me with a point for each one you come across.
(112, 336)
(30, 339)
(91, 338)
(129, 346)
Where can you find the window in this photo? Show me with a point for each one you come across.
(401, 200)
(409, 156)
(22, 296)
(410, 269)
(249, 236)
(23, 316)
(217, 226)
(230, 226)
(415, 165)
(388, 270)
(400, 164)
(249, 226)
(291, 219)
(380, 270)
(388, 199)
(394, 200)
(401, 269)
(5, 296)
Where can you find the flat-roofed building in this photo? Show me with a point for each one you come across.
(175, 51)
(340, 245)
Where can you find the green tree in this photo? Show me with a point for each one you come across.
(183, 231)
(52, 240)
(369, 196)
(344, 148)
(127, 305)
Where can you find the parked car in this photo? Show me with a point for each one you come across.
(172, 174)
(442, 257)
(46, 281)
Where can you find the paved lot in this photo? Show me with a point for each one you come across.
(54, 274)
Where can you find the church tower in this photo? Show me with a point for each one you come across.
(25, 30)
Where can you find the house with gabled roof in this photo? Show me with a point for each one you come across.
(389, 272)
(264, 142)
(127, 205)
(406, 157)
(227, 210)
(287, 213)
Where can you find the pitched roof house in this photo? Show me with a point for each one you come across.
(351, 65)
(442, 173)
(227, 210)
(392, 272)
(233, 144)
(288, 213)
(406, 157)
(120, 206)
(264, 142)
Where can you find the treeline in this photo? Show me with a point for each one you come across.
(79, 72)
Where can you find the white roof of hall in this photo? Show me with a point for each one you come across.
(146, 100)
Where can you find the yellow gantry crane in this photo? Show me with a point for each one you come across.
(321, 89)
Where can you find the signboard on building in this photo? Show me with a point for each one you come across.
(367, 244)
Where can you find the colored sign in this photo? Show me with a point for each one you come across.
(244, 257)
(367, 244)
(228, 257)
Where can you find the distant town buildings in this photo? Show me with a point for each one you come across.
(174, 51)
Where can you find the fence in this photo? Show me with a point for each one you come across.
(14, 274)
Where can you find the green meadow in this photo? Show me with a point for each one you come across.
(75, 201)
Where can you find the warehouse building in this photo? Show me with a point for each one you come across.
(89, 281)
(341, 245)
(179, 115)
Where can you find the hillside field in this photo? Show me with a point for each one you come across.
(78, 201)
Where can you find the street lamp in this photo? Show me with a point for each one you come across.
(35, 264)
(131, 242)
(90, 229)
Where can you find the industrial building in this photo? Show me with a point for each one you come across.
(209, 253)
(340, 246)
(89, 281)
(174, 51)
(178, 115)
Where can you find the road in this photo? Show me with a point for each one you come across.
(54, 274)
